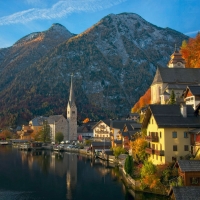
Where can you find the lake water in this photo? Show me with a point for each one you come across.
(46, 175)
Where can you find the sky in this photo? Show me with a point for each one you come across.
(19, 18)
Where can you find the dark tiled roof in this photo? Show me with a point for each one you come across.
(38, 121)
(177, 75)
(186, 193)
(53, 118)
(189, 165)
(100, 144)
(195, 89)
(118, 141)
(170, 116)
(196, 131)
(107, 122)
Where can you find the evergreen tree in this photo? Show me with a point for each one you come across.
(128, 166)
(172, 99)
(44, 134)
(59, 137)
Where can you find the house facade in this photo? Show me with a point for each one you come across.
(167, 132)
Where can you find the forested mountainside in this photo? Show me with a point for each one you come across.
(113, 63)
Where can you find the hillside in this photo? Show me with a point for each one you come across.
(113, 63)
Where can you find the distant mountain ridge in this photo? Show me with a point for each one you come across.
(113, 63)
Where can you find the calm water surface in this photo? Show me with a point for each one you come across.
(45, 175)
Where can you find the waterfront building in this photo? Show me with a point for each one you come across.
(168, 128)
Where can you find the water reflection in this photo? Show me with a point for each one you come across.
(58, 175)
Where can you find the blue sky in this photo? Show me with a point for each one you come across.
(22, 17)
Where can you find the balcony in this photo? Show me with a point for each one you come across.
(159, 152)
(149, 151)
(152, 138)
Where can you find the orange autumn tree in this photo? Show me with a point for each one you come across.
(191, 52)
(143, 101)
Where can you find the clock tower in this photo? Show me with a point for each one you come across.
(72, 114)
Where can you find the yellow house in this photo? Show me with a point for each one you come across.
(167, 131)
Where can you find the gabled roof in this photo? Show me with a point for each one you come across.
(53, 118)
(186, 193)
(100, 144)
(189, 165)
(38, 121)
(194, 89)
(170, 116)
(177, 75)
(107, 122)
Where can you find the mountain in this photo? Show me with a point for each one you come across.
(113, 63)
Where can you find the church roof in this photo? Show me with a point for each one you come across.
(177, 75)
(71, 94)
(53, 118)
(176, 57)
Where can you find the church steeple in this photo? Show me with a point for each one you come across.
(71, 94)
(176, 60)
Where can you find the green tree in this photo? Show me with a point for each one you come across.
(128, 166)
(59, 137)
(148, 169)
(172, 99)
(117, 151)
(44, 133)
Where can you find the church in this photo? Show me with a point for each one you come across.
(175, 77)
(58, 123)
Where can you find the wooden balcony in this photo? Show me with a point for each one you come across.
(149, 151)
(152, 138)
(159, 152)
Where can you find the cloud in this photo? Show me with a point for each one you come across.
(192, 33)
(58, 10)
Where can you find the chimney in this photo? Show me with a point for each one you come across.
(183, 109)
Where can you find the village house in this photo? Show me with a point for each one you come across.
(189, 171)
(191, 95)
(167, 131)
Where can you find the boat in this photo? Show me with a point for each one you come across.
(58, 147)
(4, 142)
(25, 147)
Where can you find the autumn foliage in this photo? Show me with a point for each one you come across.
(191, 52)
(143, 101)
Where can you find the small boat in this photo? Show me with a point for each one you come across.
(25, 147)
(3, 142)
(58, 148)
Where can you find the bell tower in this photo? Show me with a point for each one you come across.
(72, 113)
(176, 60)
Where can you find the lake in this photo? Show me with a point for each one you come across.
(46, 175)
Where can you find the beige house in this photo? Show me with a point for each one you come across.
(174, 77)
(167, 131)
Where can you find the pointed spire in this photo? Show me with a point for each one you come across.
(71, 93)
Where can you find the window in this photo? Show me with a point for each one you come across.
(185, 135)
(73, 112)
(194, 180)
(174, 134)
(160, 134)
(175, 148)
(186, 148)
